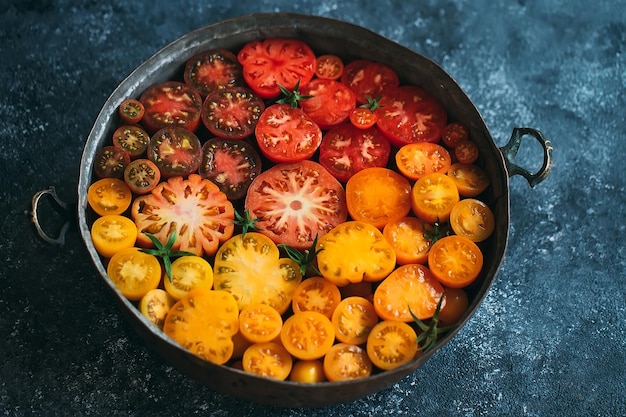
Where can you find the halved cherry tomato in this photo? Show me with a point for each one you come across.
(433, 197)
(109, 196)
(329, 67)
(309, 372)
(466, 152)
(377, 196)
(411, 114)
(363, 118)
(473, 219)
(112, 233)
(213, 69)
(391, 344)
(232, 112)
(408, 240)
(455, 306)
(287, 134)
(470, 179)
(369, 79)
(296, 202)
(176, 151)
(354, 251)
(132, 139)
(410, 288)
(330, 102)
(204, 322)
(155, 305)
(353, 319)
(260, 323)
(307, 335)
(414, 160)
(270, 360)
(231, 164)
(142, 175)
(110, 162)
(131, 111)
(171, 103)
(346, 150)
(188, 272)
(455, 261)
(134, 273)
(249, 267)
(272, 62)
(454, 133)
(345, 361)
(194, 207)
(316, 294)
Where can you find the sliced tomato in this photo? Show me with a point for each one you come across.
(171, 103)
(110, 162)
(275, 61)
(188, 272)
(155, 305)
(346, 150)
(454, 133)
(287, 134)
(142, 175)
(328, 66)
(132, 139)
(309, 372)
(470, 179)
(307, 335)
(455, 261)
(316, 294)
(473, 219)
(131, 111)
(369, 79)
(433, 196)
(330, 102)
(414, 160)
(109, 196)
(212, 70)
(194, 208)
(260, 323)
(408, 238)
(270, 360)
(345, 361)
(231, 164)
(232, 112)
(250, 268)
(176, 151)
(296, 202)
(134, 273)
(466, 152)
(391, 344)
(112, 233)
(363, 118)
(411, 114)
(353, 319)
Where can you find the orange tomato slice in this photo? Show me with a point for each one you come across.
(134, 273)
(345, 361)
(270, 360)
(109, 196)
(433, 197)
(112, 233)
(316, 294)
(472, 219)
(455, 261)
(260, 323)
(391, 344)
(307, 335)
(415, 160)
(470, 179)
(353, 319)
(407, 237)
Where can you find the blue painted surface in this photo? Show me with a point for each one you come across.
(548, 340)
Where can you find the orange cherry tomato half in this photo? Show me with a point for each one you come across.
(188, 272)
(345, 361)
(466, 152)
(267, 359)
(329, 67)
(410, 288)
(131, 111)
(134, 272)
(433, 197)
(363, 118)
(470, 179)
(415, 160)
(309, 372)
(307, 335)
(455, 261)
(454, 133)
(155, 305)
(377, 196)
(112, 233)
(473, 219)
(408, 239)
(456, 303)
(260, 323)
(391, 344)
(109, 196)
(353, 319)
(316, 294)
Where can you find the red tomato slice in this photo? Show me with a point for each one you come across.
(363, 118)
(411, 114)
(110, 162)
(329, 67)
(369, 79)
(232, 112)
(330, 102)
(213, 69)
(287, 134)
(176, 151)
(296, 202)
(171, 103)
(275, 61)
(346, 150)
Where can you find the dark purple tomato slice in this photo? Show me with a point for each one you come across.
(171, 103)
(175, 151)
(212, 70)
(232, 112)
(231, 164)
(132, 139)
(142, 175)
(110, 162)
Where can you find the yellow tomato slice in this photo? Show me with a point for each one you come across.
(260, 323)
(433, 197)
(112, 233)
(268, 359)
(134, 273)
(188, 272)
(155, 305)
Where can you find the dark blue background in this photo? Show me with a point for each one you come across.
(548, 340)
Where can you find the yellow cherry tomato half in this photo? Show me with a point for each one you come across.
(188, 272)
(134, 272)
(473, 219)
(112, 233)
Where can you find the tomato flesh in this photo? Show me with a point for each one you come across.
(171, 103)
(232, 112)
(132, 139)
(330, 102)
(176, 151)
(110, 162)
(212, 70)
(369, 79)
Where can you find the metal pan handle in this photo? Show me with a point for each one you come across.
(67, 211)
(509, 151)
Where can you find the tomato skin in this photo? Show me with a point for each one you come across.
(407, 237)
(414, 160)
(212, 70)
(391, 344)
(110, 162)
(411, 114)
(131, 111)
(345, 361)
(134, 273)
(470, 179)
(231, 164)
(176, 151)
(132, 139)
(109, 196)
(276, 61)
(346, 150)
(308, 372)
(188, 272)
(316, 294)
(353, 319)
(296, 202)
(142, 175)
(112, 233)
(369, 79)
(433, 196)
(171, 103)
(329, 67)
(472, 219)
(455, 261)
(232, 112)
(331, 102)
(307, 335)
(456, 303)
(268, 359)
(287, 134)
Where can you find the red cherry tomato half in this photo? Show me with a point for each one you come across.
(212, 70)
(132, 139)
(110, 162)
(176, 151)
(330, 102)
(466, 152)
(232, 112)
(363, 118)
(329, 67)
(369, 79)
(142, 175)
(131, 111)
(454, 133)
(171, 103)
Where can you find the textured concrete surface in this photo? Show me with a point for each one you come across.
(548, 340)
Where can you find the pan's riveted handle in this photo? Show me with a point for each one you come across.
(67, 211)
(509, 151)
